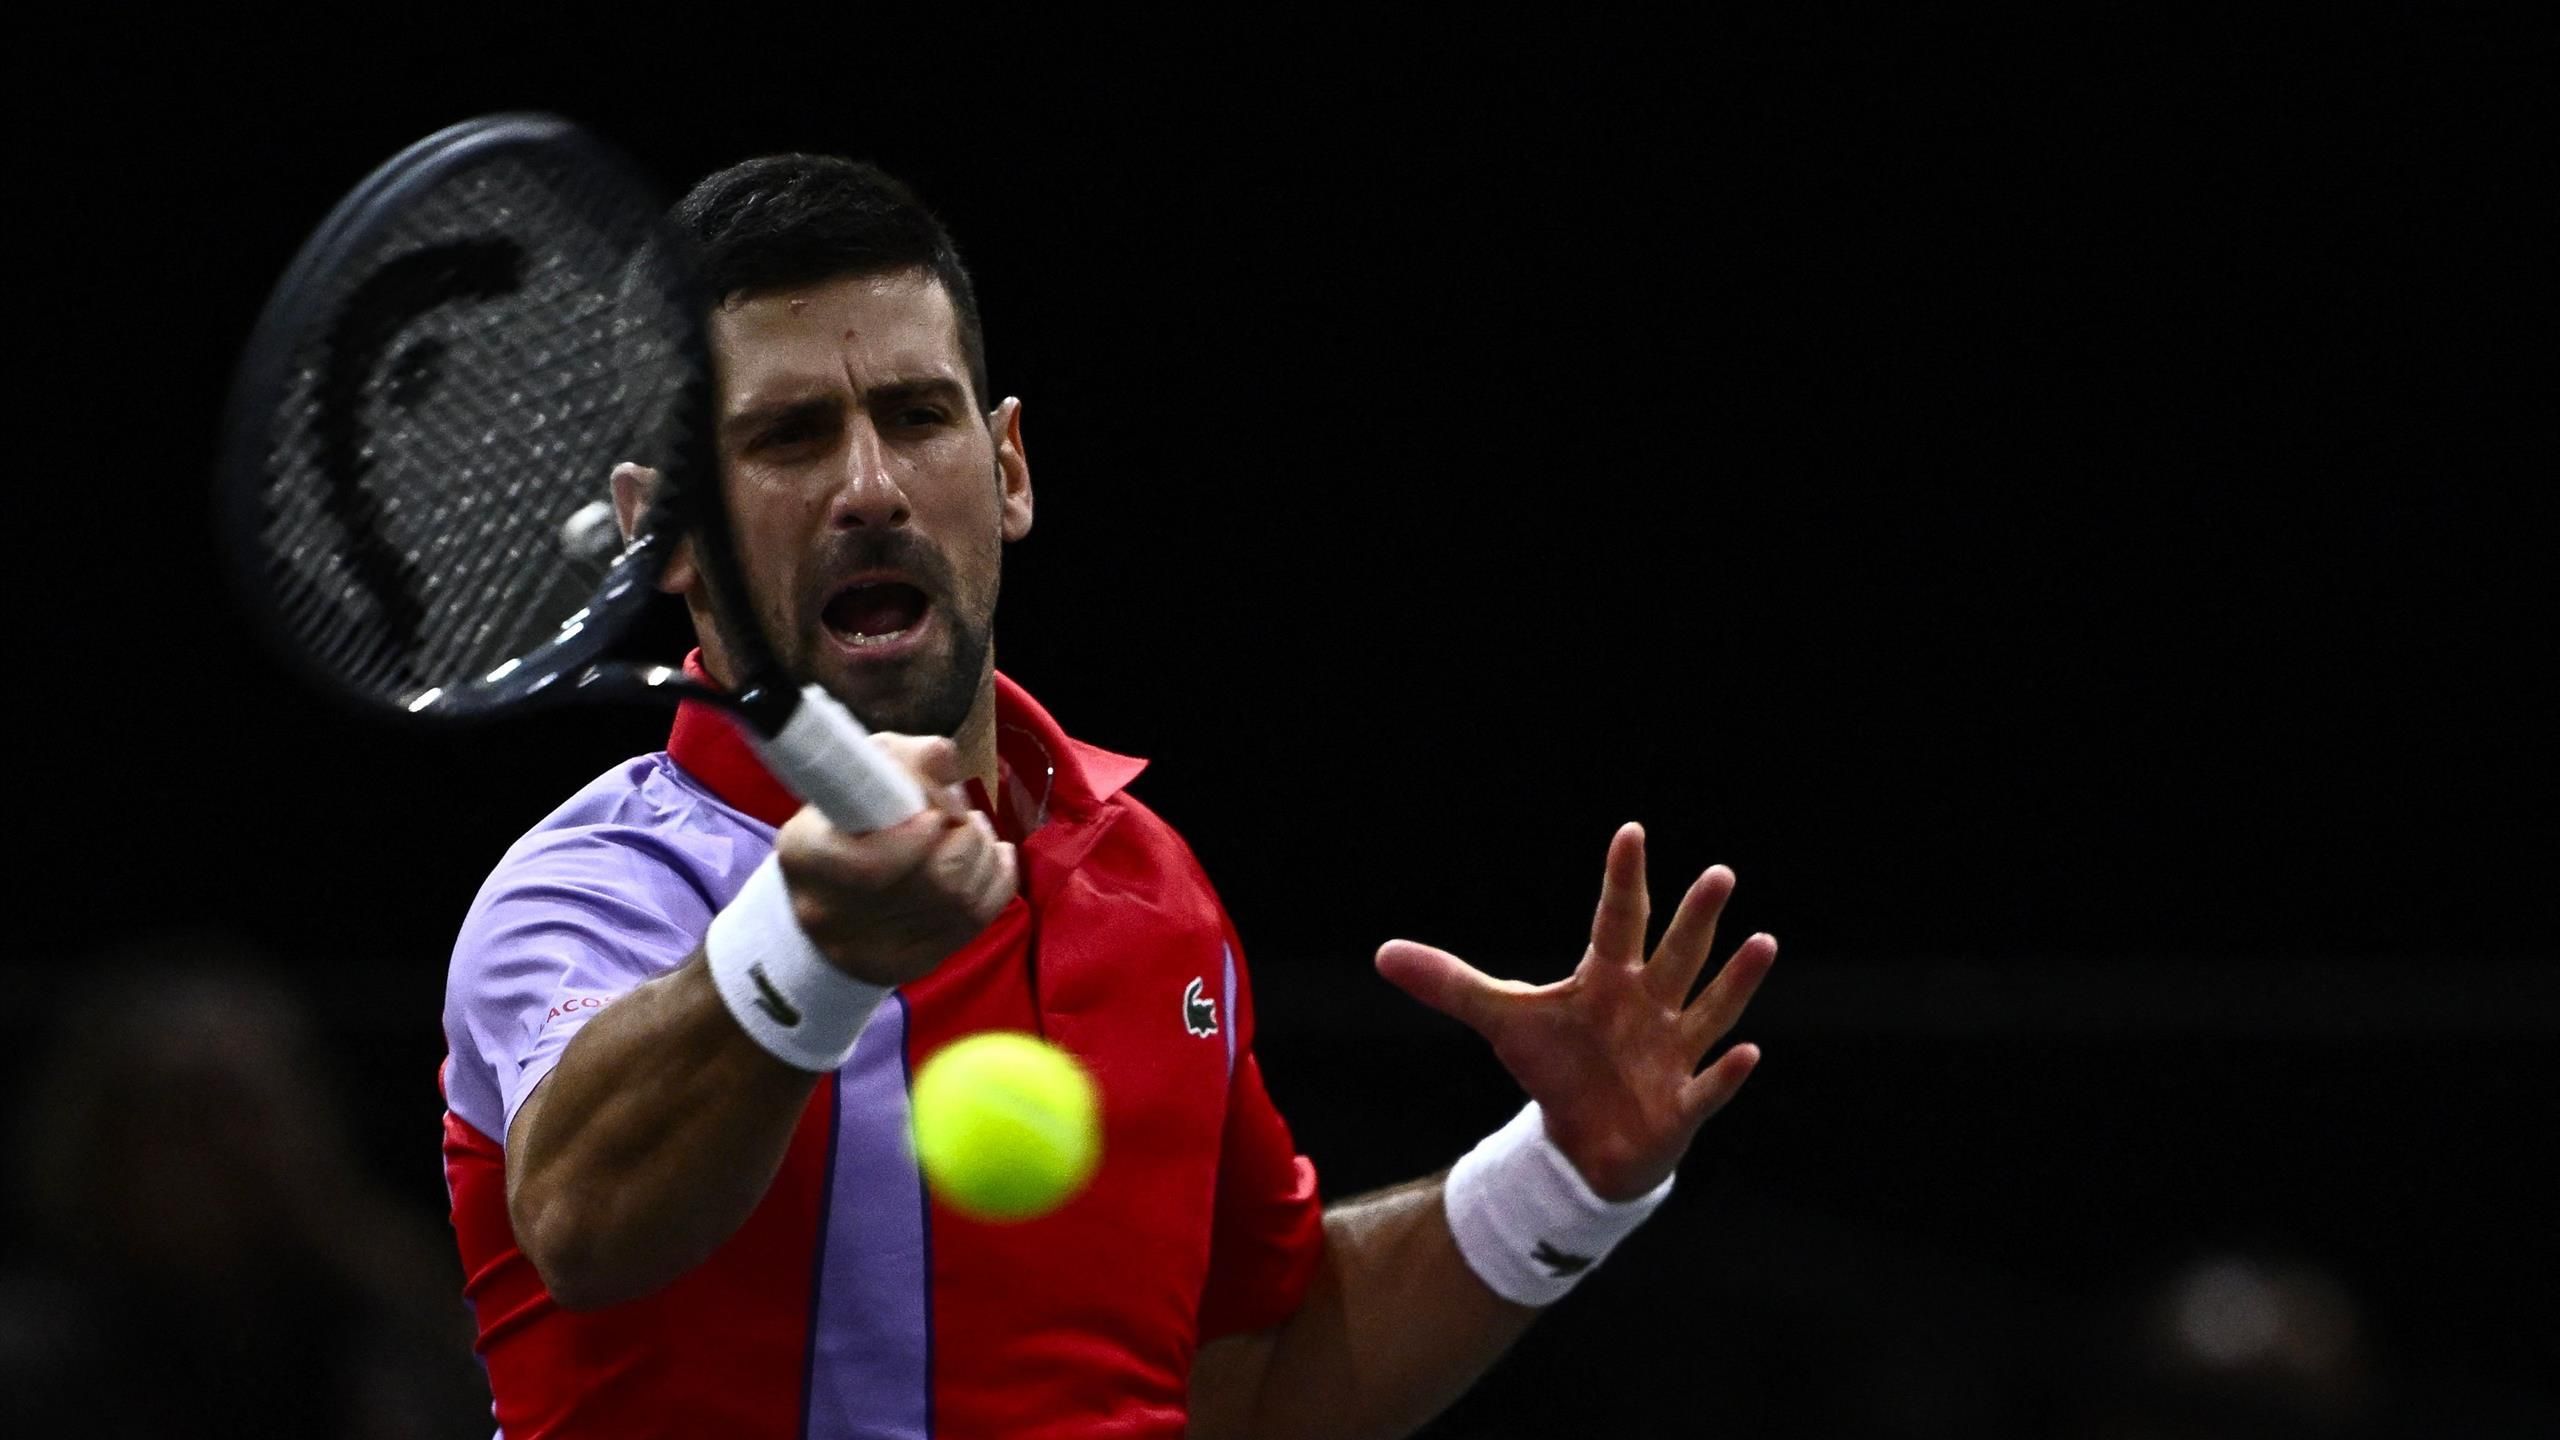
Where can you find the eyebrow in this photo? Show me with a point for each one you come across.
(903, 391)
(908, 390)
(757, 417)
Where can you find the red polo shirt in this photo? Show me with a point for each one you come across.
(850, 1304)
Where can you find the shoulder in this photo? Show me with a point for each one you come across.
(1174, 882)
(640, 842)
(1137, 826)
(641, 819)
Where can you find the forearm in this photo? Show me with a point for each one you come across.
(1394, 1328)
(649, 1145)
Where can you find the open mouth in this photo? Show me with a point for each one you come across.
(876, 612)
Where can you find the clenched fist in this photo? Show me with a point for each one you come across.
(888, 907)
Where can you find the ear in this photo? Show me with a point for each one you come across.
(1013, 466)
(634, 487)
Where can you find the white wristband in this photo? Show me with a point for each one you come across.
(782, 991)
(1525, 1219)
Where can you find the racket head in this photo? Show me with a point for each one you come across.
(414, 485)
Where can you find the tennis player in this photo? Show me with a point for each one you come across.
(683, 1011)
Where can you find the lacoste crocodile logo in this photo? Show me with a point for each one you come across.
(1199, 1012)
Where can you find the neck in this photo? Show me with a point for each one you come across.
(977, 734)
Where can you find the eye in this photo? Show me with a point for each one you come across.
(794, 430)
(921, 416)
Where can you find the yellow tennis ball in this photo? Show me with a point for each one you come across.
(1007, 1125)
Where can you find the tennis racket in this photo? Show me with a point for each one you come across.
(415, 485)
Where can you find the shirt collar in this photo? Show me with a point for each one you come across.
(1047, 775)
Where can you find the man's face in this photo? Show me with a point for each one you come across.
(871, 499)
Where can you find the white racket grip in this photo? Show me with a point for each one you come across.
(829, 760)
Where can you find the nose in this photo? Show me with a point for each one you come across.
(868, 495)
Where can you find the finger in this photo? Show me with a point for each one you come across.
(1708, 1091)
(992, 884)
(1004, 879)
(1722, 1003)
(1692, 936)
(813, 851)
(963, 853)
(1617, 929)
(1448, 984)
(984, 891)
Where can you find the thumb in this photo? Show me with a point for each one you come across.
(1445, 983)
(933, 759)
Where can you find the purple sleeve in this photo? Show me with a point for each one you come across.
(571, 921)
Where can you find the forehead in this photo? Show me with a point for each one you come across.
(857, 329)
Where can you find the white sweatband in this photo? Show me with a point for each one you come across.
(1525, 1219)
(783, 992)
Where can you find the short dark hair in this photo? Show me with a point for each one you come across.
(778, 222)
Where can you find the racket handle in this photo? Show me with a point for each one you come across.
(828, 759)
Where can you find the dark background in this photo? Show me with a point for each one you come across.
(2060, 506)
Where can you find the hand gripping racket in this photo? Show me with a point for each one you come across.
(415, 482)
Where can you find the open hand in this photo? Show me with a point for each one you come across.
(1611, 1052)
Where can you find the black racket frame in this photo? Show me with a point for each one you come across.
(574, 663)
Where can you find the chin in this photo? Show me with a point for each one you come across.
(924, 697)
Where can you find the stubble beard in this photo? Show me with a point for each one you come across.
(930, 694)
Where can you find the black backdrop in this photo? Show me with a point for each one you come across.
(2060, 508)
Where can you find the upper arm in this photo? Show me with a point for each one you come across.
(563, 929)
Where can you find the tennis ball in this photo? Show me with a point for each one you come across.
(1007, 1125)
